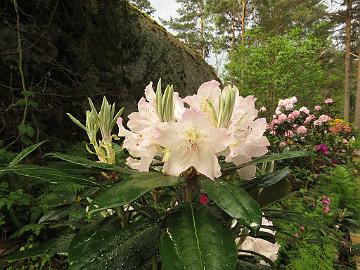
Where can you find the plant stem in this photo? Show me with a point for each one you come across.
(122, 214)
(20, 61)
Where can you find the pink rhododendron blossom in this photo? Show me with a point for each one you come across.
(289, 133)
(304, 110)
(324, 118)
(326, 200)
(301, 130)
(309, 119)
(322, 148)
(282, 117)
(295, 114)
(329, 101)
(317, 108)
(287, 104)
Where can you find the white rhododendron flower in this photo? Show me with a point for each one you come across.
(262, 246)
(193, 141)
(215, 123)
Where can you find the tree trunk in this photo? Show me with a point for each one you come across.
(243, 16)
(357, 102)
(347, 61)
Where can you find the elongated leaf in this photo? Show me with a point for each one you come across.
(275, 192)
(106, 245)
(83, 161)
(196, 240)
(127, 191)
(267, 179)
(24, 153)
(234, 200)
(51, 175)
(54, 246)
(271, 157)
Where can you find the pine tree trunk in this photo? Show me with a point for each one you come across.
(357, 102)
(243, 22)
(347, 61)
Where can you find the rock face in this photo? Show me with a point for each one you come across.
(75, 49)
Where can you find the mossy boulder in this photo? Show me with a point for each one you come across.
(75, 49)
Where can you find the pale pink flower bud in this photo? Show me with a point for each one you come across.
(317, 108)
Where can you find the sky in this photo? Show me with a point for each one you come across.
(164, 8)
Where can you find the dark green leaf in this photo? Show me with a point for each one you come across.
(24, 153)
(105, 245)
(84, 162)
(275, 192)
(234, 200)
(127, 191)
(196, 240)
(55, 246)
(267, 179)
(271, 157)
(51, 175)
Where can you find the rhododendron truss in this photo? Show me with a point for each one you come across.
(167, 206)
(194, 131)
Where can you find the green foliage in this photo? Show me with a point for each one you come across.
(275, 67)
(144, 5)
(342, 184)
(234, 200)
(312, 238)
(106, 245)
(192, 26)
(194, 239)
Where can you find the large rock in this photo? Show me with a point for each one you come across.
(76, 49)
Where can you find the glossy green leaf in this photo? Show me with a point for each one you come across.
(234, 200)
(84, 162)
(54, 176)
(275, 192)
(268, 158)
(126, 191)
(24, 153)
(267, 179)
(194, 239)
(105, 245)
(54, 246)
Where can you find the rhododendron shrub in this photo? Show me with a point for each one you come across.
(195, 131)
(164, 191)
(316, 129)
